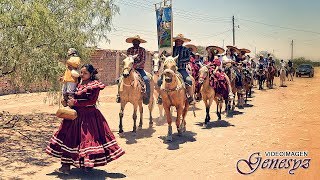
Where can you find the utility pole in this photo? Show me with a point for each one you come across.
(234, 40)
(223, 44)
(255, 51)
(291, 50)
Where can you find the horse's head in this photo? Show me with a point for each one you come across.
(203, 73)
(170, 68)
(156, 60)
(128, 65)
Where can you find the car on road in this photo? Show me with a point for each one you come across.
(305, 69)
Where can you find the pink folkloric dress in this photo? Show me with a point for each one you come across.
(86, 141)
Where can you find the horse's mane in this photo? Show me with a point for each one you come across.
(169, 59)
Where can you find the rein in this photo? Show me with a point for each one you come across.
(132, 82)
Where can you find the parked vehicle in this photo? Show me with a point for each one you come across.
(305, 69)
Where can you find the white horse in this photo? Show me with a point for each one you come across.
(282, 76)
(157, 69)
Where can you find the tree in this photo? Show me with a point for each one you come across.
(36, 34)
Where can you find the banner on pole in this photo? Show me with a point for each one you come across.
(164, 29)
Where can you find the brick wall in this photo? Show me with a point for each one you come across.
(108, 62)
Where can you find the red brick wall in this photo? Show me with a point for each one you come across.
(104, 60)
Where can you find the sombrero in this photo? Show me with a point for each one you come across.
(192, 47)
(137, 37)
(211, 48)
(181, 37)
(234, 48)
(245, 50)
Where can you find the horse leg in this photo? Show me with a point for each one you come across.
(134, 117)
(178, 120)
(247, 92)
(218, 105)
(206, 121)
(141, 115)
(169, 121)
(184, 114)
(150, 106)
(123, 104)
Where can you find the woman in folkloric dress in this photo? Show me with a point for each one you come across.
(87, 141)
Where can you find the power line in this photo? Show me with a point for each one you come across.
(282, 27)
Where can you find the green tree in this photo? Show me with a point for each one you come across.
(36, 34)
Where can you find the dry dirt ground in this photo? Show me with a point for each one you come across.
(280, 119)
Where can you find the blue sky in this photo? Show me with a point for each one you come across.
(208, 22)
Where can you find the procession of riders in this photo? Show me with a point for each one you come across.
(184, 77)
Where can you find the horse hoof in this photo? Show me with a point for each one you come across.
(169, 139)
(134, 133)
(121, 135)
(139, 127)
(151, 125)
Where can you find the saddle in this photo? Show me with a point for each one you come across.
(219, 83)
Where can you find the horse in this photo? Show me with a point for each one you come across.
(230, 72)
(173, 93)
(131, 90)
(261, 77)
(209, 95)
(157, 69)
(270, 76)
(247, 83)
(282, 76)
(291, 73)
(240, 87)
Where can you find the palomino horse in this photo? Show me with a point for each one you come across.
(130, 90)
(173, 93)
(270, 76)
(157, 70)
(282, 76)
(209, 95)
(291, 73)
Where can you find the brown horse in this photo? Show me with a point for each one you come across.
(173, 93)
(208, 94)
(157, 71)
(271, 72)
(131, 90)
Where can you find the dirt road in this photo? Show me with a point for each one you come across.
(280, 119)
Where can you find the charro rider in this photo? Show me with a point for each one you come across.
(183, 60)
(138, 64)
(214, 64)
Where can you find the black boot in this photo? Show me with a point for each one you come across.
(146, 99)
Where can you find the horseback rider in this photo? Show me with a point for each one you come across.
(215, 63)
(271, 62)
(290, 64)
(138, 64)
(195, 67)
(183, 60)
(261, 62)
